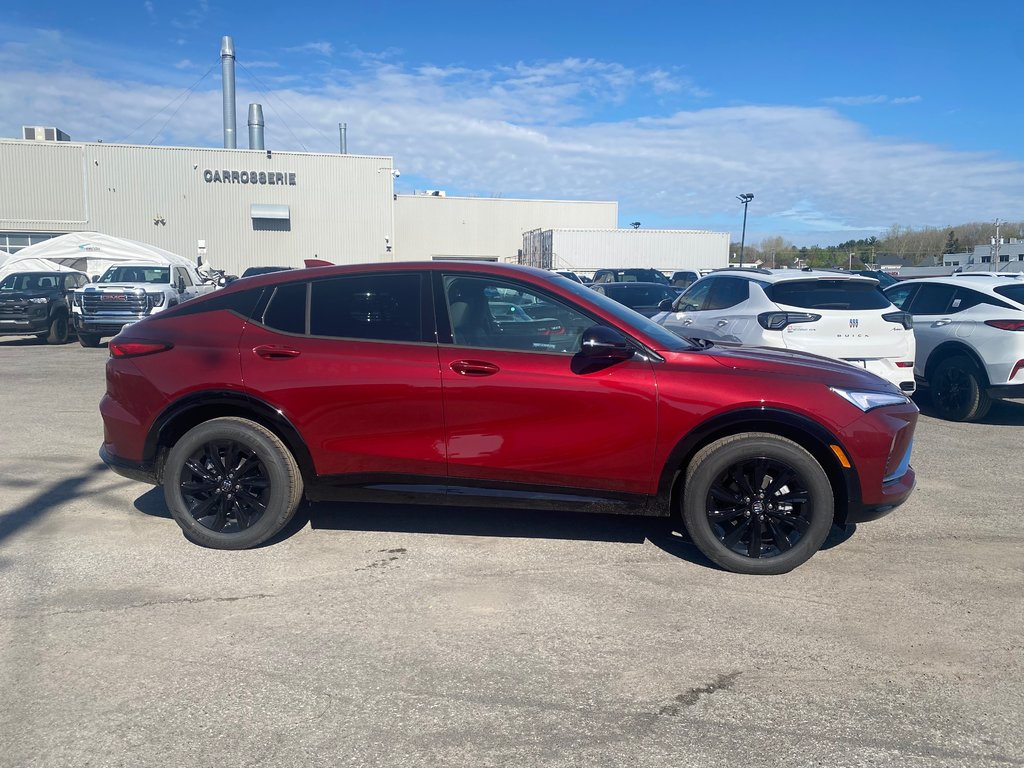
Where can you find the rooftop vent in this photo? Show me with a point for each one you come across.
(36, 133)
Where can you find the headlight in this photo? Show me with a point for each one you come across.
(156, 299)
(867, 400)
(41, 300)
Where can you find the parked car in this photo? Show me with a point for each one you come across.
(629, 275)
(833, 314)
(568, 273)
(884, 278)
(970, 339)
(684, 278)
(393, 382)
(38, 304)
(127, 293)
(640, 297)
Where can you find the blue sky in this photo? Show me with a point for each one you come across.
(841, 118)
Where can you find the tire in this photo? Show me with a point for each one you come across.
(211, 512)
(958, 393)
(757, 503)
(88, 339)
(58, 330)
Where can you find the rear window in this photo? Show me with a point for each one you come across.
(828, 294)
(1012, 292)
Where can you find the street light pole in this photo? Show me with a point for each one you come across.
(745, 198)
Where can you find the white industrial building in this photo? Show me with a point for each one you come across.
(586, 250)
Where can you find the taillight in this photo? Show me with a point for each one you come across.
(123, 349)
(1006, 325)
(904, 363)
(776, 321)
(903, 318)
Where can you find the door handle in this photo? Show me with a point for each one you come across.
(943, 321)
(687, 321)
(474, 368)
(722, 323)
(269, 352)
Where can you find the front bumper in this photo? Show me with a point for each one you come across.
(23, 325)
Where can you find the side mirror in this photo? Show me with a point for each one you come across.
(665, 305)
(181, 284)
(599, 342)
(94, 279)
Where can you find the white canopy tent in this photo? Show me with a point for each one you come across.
(90, 252)
(32, 265)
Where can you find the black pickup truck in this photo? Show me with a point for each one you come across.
(38, 304)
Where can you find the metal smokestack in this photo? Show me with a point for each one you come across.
(256, 126)
(227, 69)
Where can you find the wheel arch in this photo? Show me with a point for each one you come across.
(950, 349)
(179, 417)
(803, 431)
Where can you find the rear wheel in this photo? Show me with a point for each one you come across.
(231, 483)
(88, 339)
(757, 503)
(958, 392)
(58, 330)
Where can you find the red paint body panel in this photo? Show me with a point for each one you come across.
(536, 421)
(362, 407)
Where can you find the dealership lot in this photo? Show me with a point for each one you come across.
(418, 636)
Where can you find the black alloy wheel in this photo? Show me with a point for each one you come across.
(958, 393)
(757, 503)
(225, 486)
(231, 483)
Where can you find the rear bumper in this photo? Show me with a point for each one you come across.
(142, 471)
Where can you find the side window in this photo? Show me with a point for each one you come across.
(694, 297)
(965, 298)
(901, 295)
(70, 282)
(931, 299)
(494, 314)
(386, 307)
(728, 292)
(287, 309)
(186, 277)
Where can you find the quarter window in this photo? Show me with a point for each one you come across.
(383, 307)
(287, 309)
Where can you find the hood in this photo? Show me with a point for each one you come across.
(802, 365)
(118, 286)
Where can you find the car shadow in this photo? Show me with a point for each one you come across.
(665, 533)
(1004, 413)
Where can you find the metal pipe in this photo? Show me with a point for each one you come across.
(343, 137)
(227, 69)
(256, 126)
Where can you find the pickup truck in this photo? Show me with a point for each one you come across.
(38, 304)
(126, 293)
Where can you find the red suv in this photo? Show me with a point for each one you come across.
(477, 383)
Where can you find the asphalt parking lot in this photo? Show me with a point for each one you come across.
(373, 636)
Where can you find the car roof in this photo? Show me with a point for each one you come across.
(790, 275)
(979, 282)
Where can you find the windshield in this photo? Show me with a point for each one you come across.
(662, 337)
(30, 281)
(139, 274)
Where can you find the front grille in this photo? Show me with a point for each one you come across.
(12, 308)
(96, 303)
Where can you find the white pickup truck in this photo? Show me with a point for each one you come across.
(126, 293)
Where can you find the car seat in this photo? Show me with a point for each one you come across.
(471, 317)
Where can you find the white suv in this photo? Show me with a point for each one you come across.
(970, 339)
(833, 314)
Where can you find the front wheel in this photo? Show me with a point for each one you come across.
(88, 339)
(757, 503)
(231, 483)
(58, 333)
(957, 390)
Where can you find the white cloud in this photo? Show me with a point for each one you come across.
(858, 101)
(323, 48)
(184, 64)
(541, 130)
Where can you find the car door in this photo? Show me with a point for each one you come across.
(934, 323)
(727, 314)
(520, 408)
(352, 362)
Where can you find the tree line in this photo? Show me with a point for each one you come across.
(917, 247)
